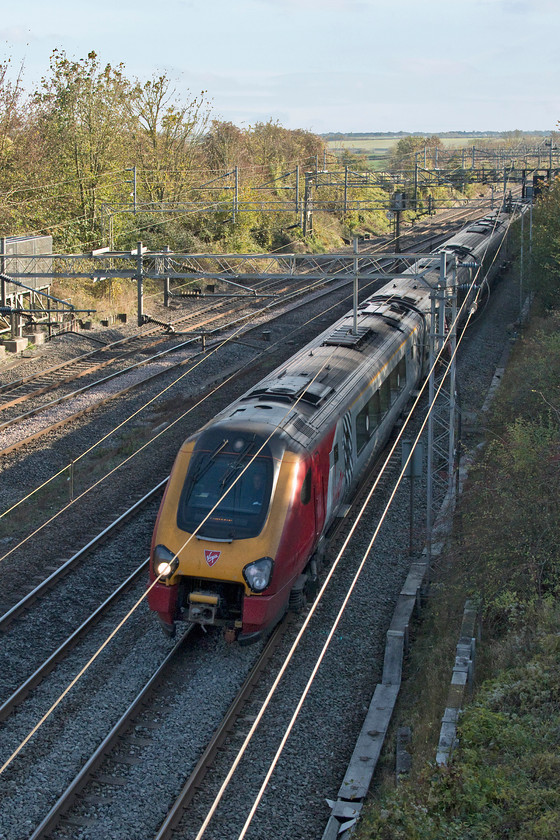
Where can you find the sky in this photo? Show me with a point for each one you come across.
(321, 65)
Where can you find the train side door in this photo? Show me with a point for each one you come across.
(318, 491)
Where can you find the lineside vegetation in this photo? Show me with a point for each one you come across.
(70, 151)
(504, 779)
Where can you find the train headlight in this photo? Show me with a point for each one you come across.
(165, 562)
(257, 575)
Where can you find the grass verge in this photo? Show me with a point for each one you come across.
(503, 781)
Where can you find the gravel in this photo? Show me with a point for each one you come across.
(209, 672)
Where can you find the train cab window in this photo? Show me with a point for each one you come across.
(227, 491)
(305, 495)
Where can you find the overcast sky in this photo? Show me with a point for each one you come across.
(321, 65)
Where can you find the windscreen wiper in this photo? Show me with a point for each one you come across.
(203, 466)
(235, 465)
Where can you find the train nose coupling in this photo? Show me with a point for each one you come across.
(203, 607)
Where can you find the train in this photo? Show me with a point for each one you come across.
(252, 495)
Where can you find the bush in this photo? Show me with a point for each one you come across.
(505, 780)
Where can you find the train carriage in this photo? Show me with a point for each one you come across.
(252, 494)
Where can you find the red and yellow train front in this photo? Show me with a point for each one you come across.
(232, 533)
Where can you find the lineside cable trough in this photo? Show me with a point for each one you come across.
(461, 681)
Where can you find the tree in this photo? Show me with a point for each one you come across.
(83, 119)
(10, 114)
(224, 146)
(545, 275)
(277, 148)
(167, 135)
(404, 153)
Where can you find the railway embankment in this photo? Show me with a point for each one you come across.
(502, 779)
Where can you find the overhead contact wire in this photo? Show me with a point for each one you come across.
(315, 604)
(308, 618)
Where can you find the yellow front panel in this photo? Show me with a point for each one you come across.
(235, 555)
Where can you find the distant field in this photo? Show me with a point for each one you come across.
(383, 146)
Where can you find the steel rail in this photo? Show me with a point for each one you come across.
(71, 793)
(10, 387)
(205, 761)
(198, 328)
(76, 363)
(53, 660)
(58, 574)
(33, 412)
(145, 333)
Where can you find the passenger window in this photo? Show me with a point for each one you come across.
(374, 411)
(305, 495)
(362, 428)
(384, 396)
(397, 379)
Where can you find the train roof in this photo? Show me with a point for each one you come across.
(323, 379)
(476, 236)
(327, 373)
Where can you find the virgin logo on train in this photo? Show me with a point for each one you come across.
(211, 557)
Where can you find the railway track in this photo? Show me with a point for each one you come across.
(31, 387)
(147, 705)
(73, 794)
(94, 783)
(15, 611)
(94, 809)
(68, 373)
(231, 733)
(47, 639)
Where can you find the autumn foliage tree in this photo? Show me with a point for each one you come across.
(11, 117)
(167, 134)
(404, 153)
(67, 158)
(225, 146)
(82, 115)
